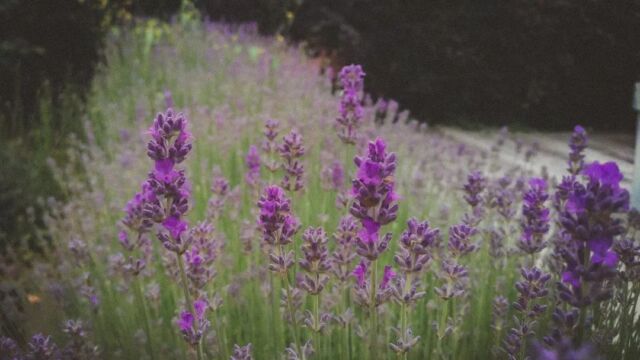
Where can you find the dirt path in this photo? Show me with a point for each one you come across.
(554, 148)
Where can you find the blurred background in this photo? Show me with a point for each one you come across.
(528, 64)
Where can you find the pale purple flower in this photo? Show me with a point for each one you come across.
(252, 161)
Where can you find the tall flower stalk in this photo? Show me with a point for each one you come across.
(291, 150)
(590, 222)
(315, 263)
(167, 198)
(375, 204)
(413, 256)
(350, 110)
(278, 227)
(535, 218)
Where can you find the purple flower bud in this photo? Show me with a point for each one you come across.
(252, 160)
(291, 151)
(577, 143)
(535, 217)
(460, 240)
(476, 183)
(360, 273)
(351, 77)
(242, 352)
(386, 277)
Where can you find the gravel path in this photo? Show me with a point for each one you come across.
(554, 148)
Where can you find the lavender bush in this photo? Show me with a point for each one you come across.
(227, 206)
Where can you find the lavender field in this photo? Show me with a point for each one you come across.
(232, 202)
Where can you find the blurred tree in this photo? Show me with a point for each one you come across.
(544, 63)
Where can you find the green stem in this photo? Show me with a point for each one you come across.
(316, 310)
(292, 314)
(583, 310)
(147, 325)
(187, 297)
(372, 312)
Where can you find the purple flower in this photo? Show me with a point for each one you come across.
(460, 240)
(416, 246)
(590, 222)
(386, 277)
(535, 217)
(350, 110)
(360, 272)
(278, 227)
(577, 144)
(170, 140)
(373, 187)
(9, 348)
(42, 348)
(564, 349)
(455, 278)
(175, 226)
(194, 326)
(607, 174)
(242, 352)
(343, 255)
(351, 77)
(185, 321)
(291, 151)
(165, 194)
(252, 160)
(531, 291)
(476, 183)
(315, 261)
(333, 176)
(168, 99)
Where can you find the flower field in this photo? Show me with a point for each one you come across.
(233, 202)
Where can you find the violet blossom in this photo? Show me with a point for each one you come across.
(291, 150)
(535, 217)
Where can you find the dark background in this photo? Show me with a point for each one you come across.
(544, 64)
(541, 63)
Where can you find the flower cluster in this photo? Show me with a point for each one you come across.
(220, 190)
(333, 176)
(168, 199)
(270, 146)
(315, 261)
(291, 151)
(200, 258)
(375, 200)
(413, 256)
(194, 324)
(535, 217)
(365, 288)
(351, 111)
(577, 144)
(343, 255)
(278, 226)
(252, 160)
(531, 291)
(242, 352)
(590, 225)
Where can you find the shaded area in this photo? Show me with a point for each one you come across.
(543, 64)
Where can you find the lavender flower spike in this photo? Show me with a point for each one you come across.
(252, 160)
(291, 151)
(535, 217)
(577, 143)
(242, 352)
(350, 110)
(194, 325)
